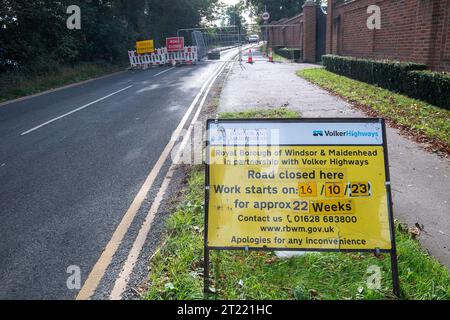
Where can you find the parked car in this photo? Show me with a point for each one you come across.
(253, 38)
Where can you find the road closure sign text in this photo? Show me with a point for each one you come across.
(175, 44)
(146, 46)
(307, 184)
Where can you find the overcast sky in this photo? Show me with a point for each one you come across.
(232, 2)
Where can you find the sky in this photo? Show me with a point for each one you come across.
(232, 2)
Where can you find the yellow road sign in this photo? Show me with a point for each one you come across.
(146, 46)
(297, 185)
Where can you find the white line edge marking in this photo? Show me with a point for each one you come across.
(73, 111)
(167, 70)
(99, 269)
(124, 276)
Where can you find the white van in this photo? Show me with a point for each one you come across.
(254, 38)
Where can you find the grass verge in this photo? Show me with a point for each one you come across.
(276, 56)
(176, 271)
(425, 120)
(260, 114)
(15, 85)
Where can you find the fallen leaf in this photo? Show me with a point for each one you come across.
(414, 232)
(313, 293)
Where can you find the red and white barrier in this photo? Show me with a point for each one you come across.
(187, 56)
(190, 55)
(160, 57)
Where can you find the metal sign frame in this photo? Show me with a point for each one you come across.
(392, 252)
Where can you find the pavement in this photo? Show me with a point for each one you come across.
(72, 162)
(420, 180)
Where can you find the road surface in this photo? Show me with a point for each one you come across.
(71, 164)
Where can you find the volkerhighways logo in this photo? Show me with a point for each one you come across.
(318, 133)
(347, 133)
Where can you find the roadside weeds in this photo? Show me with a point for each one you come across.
(13, 86)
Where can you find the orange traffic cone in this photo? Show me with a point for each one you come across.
(270, 55)
(250, 56)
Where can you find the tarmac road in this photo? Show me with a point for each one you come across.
(71, 163)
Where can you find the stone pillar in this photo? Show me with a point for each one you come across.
(428, 36)
(310, 30)
(330, 12)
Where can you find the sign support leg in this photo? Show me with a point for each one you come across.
(394, 269)
(206, 271)
(393, 252)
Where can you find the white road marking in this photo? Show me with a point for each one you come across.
(73, 111)
(99, 269)
(124, 276)
(159, 73)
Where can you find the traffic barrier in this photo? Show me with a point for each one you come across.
(191, 55)
(188, 56)
(161, 57)
(145, 60)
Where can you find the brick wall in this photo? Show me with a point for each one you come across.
(411, 30)
(298, 32)
(310, 35)
(286, 32)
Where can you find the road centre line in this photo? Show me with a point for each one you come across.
(99, 269)
(124, 276)
(73, 111)
(164, 71)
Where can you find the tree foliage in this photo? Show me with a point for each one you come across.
(278, 9)
(34, 37)
(234, 14)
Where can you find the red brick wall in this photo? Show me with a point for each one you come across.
(310, 28)
(287, 32)
(297, 32)
(411, 30)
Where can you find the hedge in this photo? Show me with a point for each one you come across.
(433, 87)
(403, 77)
(288, 53)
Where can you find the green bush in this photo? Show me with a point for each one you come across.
(403, 77)
(383, 73)
(288, 53)
(433, 87)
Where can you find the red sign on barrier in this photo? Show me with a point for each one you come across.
(175, 44)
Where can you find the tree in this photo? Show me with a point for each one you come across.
(34, 37)
(234, 14)
(278, 9)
